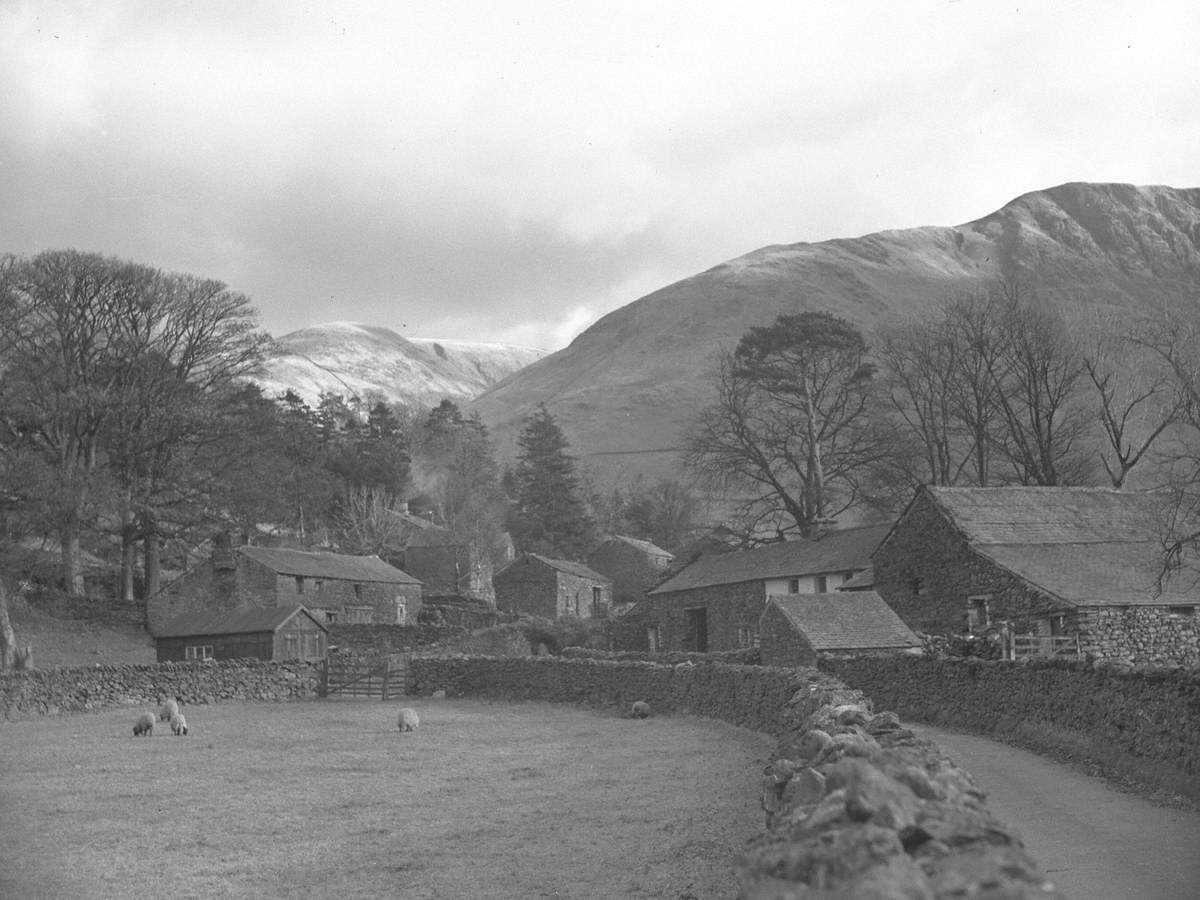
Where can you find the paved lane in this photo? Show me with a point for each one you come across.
(1095, 843)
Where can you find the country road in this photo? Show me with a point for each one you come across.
(1093, 842)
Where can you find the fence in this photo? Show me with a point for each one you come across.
(381, 677)
(1021, 646)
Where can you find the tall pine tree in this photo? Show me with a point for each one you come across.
(549, 515)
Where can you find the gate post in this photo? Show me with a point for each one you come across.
(387, 670)
(324, 686)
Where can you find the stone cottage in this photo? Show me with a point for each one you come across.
(333, 587)
(800, 629)
(634, 566)
(540, 586)
(715, 602)
(1075, 567)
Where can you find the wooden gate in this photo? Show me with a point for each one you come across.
(357, 677)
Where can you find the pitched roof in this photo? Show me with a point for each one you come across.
(1085, 546)
(334, 566)
(239, 621)
(859, 580)
(571, 568)
(859, 620)
(646, 547)
(845, 550)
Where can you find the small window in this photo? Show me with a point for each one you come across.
(198, 651)
(1181, 612)
(917, 586)
(794, 586)
(653, 638)
(358, 592)
(978, 617)
(747, 636)
(597, 598)
(359, 615)
(299, 584)
(318, 585)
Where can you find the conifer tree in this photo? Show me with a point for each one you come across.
(549, 515)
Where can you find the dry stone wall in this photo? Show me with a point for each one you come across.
(41, 692)
(1143, 723)
(855, 805)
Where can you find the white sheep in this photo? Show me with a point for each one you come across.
(409, 720)
(179, 724)
(640, 710)
(169, 708)
(144, 725)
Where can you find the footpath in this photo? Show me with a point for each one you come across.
(1092, 841)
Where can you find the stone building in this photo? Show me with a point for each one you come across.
(800, 629)
(539, 586)
(1074, 567)
(333, 587)
(715, 602)
(634, 566)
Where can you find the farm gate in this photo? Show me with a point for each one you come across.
(351, 676)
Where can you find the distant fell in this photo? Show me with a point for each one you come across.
(357, 360)
(627, 388)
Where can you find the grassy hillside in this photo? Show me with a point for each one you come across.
(76, 635)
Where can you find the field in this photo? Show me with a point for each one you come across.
(329, 799)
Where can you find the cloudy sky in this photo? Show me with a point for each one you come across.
(512, 171)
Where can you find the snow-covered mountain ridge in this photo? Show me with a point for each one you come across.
(363, 361)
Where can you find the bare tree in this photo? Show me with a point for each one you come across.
(369, 521)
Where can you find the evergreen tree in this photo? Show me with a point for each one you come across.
(549, 515)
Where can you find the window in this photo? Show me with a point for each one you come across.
(198, 651)
(311, 645)
(597, 597)
(977, 613)
(291, 646)
(822, 584)
(331, 615)
(299, 584)
(358, 592)
(653, 639)
(1181, 612)
(359, 615)
(917, 586)
(794, 586)
(318, 584)
(747, 636)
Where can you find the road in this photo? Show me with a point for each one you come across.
(1093, 842)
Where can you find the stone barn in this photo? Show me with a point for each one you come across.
(800, 629)
(634, 566)
(276, 633)
(539, 586)
(715, 603)
(1056, 569)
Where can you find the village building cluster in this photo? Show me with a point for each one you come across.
(1034, 571)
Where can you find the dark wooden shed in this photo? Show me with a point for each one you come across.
(274, 633)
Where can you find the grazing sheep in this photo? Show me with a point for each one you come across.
(640, 710)
(144, 725)
(169, 709)
(179, 724)
(409, 720)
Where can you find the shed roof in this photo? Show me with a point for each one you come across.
(334, 566)
(571, 568)
(647, 547)
(859, 581)
(846, 550)
(858, 620)
(247, 620)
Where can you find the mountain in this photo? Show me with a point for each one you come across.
(357, 360)
(626, 389)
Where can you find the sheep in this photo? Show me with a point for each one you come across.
(179, 724)
(409, 720)
(640, 710)
(144, 725)
(169, 709)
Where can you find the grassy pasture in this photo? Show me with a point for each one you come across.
(329, 799)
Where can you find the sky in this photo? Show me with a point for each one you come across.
(512, 171)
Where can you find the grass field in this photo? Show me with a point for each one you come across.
(329, 799)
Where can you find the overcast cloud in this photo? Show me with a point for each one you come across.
(512, 171)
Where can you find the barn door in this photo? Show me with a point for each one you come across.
(696, 636)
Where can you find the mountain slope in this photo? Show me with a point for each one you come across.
(357, 360)
(627, 388)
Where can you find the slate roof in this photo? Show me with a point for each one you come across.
(859, 580)
(846, 550)
(334, 566)
(647, 547)
(859, 620)
(566, 565)
(251, 620)
(1084, 546)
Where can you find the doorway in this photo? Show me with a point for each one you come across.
(696, 634)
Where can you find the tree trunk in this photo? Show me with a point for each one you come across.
(72, 570)
(128, 550)
(8, 640)
(153, 562)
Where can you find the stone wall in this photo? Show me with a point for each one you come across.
(389, 638)
(41, 692)
(1144, 724)
(855, 805)
(1147, 635)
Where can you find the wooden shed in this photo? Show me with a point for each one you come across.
(274, 633)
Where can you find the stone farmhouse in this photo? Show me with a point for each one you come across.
(539, 586)
(334, 587)
(800, 629)
(1071, 567)
(715, 603)
(634, 566)
(276, 633)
